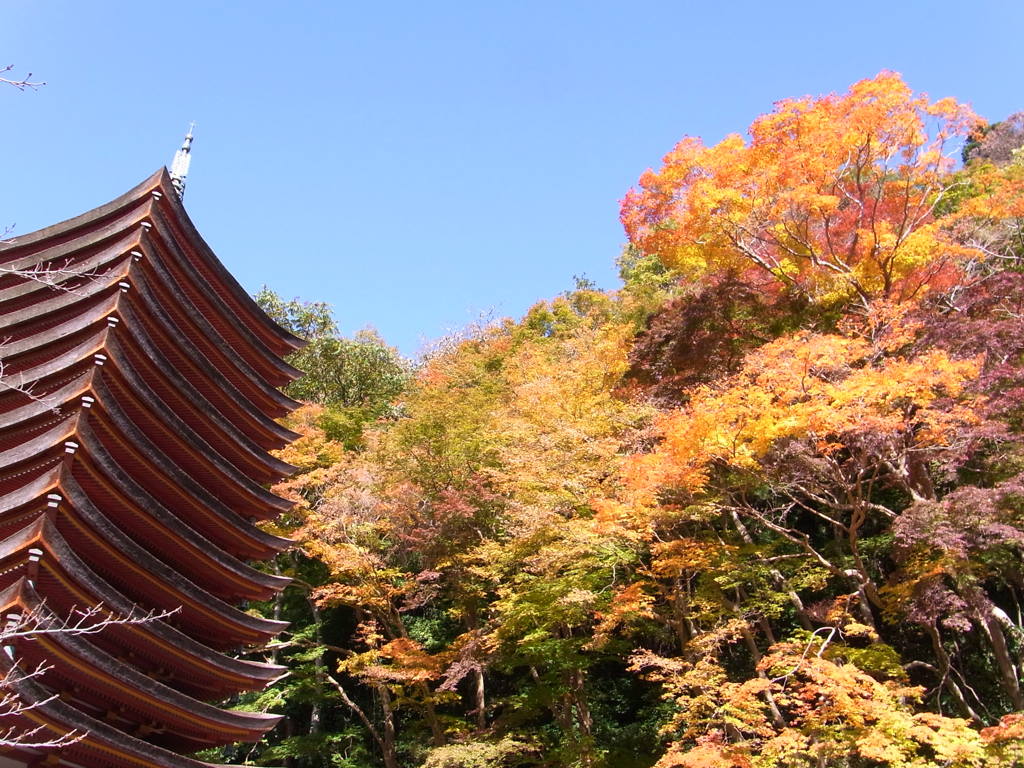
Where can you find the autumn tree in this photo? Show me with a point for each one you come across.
(703, 332)
(844, 401)
(441, 537)
(810, 706)
(996, 143)
(833, 197)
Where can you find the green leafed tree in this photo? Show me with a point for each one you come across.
(356, 379)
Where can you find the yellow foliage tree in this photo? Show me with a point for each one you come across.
(818, 388)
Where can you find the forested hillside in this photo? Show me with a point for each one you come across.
(762, 506)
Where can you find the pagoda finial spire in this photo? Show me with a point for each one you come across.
(180, 164)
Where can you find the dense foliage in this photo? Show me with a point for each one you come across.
(763, 506)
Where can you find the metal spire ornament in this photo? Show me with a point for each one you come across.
(180, 164)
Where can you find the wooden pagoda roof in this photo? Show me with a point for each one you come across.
(137, 422)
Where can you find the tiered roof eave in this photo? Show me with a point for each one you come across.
(159, 183)
(136, 432)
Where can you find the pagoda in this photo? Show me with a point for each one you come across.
(138, 413)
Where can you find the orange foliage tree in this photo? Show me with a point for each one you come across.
(834, 196)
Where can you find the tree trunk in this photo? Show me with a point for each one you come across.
(993, 630)
(755, 655)
(390, 756)
(584, 720)
(778, 580)
(316, 710)
(386, 741)
(945, 667)
(480, 698)
(289, 731)
(558, 710)
(436, 731)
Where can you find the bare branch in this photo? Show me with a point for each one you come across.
(25, 83)
(31, 625)
(832, 632)
(40, 622)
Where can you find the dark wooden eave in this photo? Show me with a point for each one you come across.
(96, 678)
(128, 508)
(64, 313)
(101, 745)
(232, 300)
(167, 536)
(165, 269)
(69, 583)
(188, 401)
(145, 579)
(227, 532)
(45, 446)
(227, 288)
(175, 439)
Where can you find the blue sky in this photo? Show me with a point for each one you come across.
(416, 164)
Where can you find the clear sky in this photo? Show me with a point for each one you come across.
(418, 163)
